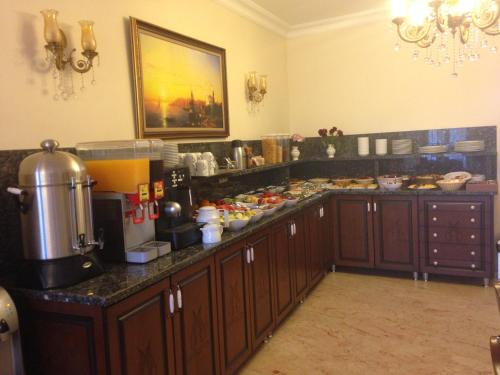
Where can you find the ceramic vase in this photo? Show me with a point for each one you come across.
(295, 153)
(330, 151)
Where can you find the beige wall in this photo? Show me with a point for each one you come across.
(103, 112)
(353, 79)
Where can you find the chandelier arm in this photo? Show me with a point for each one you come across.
(82, 66)
(464, 33)
(416, 39)
(493, 19)
(437, 17)
(492, 32)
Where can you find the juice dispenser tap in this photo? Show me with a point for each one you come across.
(137, 201)
(158, 193)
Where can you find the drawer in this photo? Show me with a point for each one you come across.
(457, 264)
(441, 251)
(469, 219)
(454, 206)
(459, 236)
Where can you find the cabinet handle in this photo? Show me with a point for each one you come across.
(472, 236)
(252, 254)
(434, 206)
(434, 235)
(434, 219)
(472, 253)
(171, 302)
(472, 220)
(473, 266)
(369, 206)
(248, 255)
(435, 251)
(293, 228)
(472, 207)
(374, 206)
(179, 297)
(435, 263)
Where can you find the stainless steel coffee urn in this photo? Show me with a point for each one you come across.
(55, 200)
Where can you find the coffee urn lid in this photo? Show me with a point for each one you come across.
(51, 167)
(236, 143)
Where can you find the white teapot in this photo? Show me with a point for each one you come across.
(212, 233)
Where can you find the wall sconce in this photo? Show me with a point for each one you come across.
(256, 91)
(56, 43)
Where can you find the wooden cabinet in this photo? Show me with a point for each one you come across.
(300, 255)
(377, 233)
(235, 331)
(395, 232)
(456, 236)
(315, 242)
(261, 287)
(353, 228)
(140, 332)
(195, 320)
(284, 270)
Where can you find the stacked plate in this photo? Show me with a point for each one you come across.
(433, 149)
(170, 154)
(402, 146)
(469, 146)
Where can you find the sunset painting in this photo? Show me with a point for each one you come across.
(180, 89)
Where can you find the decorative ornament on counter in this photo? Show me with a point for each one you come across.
(296, 138)
(331, 139)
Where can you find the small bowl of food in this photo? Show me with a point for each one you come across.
(389, 182)
(255, 215)
(268, 209)
(364, 180)
(451, 184)
(342, 181)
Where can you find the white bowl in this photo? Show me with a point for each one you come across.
(270, 211)
(451, 185)
(390, 186)
(259, 214)
(238, 224)
(279, 206)
(291, 202)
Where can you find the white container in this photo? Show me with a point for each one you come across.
(162, 247)
(212, 233)
(142, 254)
(381, 146)
(363, 146)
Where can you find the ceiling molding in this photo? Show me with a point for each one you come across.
(257, 14)
(264, 18)
(335, 23)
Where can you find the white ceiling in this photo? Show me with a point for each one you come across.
(292, 18)
(296, 12)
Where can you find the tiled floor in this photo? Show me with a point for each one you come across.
(365, 324)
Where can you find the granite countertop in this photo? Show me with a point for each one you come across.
(122, 280)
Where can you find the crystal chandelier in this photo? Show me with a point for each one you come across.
(448, 31)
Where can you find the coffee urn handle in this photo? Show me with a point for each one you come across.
(21, 195)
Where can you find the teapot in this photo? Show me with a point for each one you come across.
(210, 215)
(212, 233)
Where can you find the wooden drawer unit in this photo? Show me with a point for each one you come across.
(456, 235)
(459, 219)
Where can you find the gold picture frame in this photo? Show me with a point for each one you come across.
(180, 84)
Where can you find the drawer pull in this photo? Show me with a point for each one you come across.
(435, 263)
(434, 206)
(472, 236)
(472, 207)
(434, 219)
(473, 266)
(472, 253)
(472, 220)
(434, 235)
(435, 251)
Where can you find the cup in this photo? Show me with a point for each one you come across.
(363, 146)
(202, 168)
(190, 161)
(208, 156)
(381, 146)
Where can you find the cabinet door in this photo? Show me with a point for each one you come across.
(195, 320)
(314, 244)
(283, 260)
(300, 257)
(232, 265)
(395, 233)
(140, 333)
(353, 228)
(261, 287)
(327, 236)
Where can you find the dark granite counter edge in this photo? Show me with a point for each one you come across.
(82, 294)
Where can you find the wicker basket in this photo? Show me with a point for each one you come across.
(450, 185)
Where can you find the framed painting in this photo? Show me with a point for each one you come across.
(180, 84)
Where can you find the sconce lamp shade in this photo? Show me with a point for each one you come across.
(88, 38)
(51, 31)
